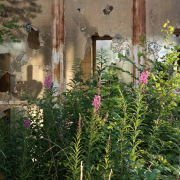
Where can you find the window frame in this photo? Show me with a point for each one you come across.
(94, 39)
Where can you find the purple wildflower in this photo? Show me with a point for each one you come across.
(47, 83)
(97, 102)
(48, 79)
(144, 77)
(26, 122)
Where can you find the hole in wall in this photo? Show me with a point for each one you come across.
(176, 32)
(108, 10)
(121, 45)
(79, 9)
(5, 83)
(5, 62)
(33, 39)
(153, 46)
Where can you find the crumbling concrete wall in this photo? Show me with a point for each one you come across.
(157, 13)
(25, 64)
(84, 18)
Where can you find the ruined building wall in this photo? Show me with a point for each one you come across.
(23, 65)
(84, 18)
(157, 13)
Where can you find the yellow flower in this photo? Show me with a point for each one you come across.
(165, 24)
(171, 28)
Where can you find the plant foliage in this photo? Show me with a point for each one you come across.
(135, 135)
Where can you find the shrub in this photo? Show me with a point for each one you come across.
(103, 128)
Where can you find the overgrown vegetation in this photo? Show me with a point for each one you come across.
(135, 134)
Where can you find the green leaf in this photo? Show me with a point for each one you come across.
(120, 55)
(2, 6)
(150, 176)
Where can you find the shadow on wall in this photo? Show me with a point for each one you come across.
(34, 87)
(7, 84)
(24, 10)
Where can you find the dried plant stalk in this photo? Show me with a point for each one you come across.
(81, 176)
(110, 175)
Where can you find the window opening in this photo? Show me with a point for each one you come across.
(5, 62)
(33, 39)
(104, 43)
(5, 83)
(114, 46)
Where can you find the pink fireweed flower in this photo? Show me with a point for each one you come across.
(26, 122)
(47, 83)
(97, 103)
(48, 80)
(144, 77)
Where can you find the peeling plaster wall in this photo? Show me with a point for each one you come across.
(84, 18)
(26, 66)
(157, 13)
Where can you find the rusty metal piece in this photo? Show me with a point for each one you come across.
(138, 29)
(58, 45)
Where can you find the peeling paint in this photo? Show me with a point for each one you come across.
(138, 29)
(85, 18)
(64, 39)
(58, 41)
(57, 71)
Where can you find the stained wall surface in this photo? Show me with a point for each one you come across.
(85, 18)
(23, 65)
(157, 13)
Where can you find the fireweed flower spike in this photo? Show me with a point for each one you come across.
(26, 122)
(144, 77)
(97, 103)
(97, 100)
(47, 83)
(48, 79)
